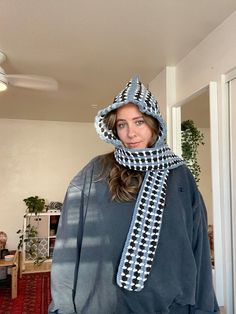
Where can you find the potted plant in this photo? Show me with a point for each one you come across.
(191, 138)
(34, 204)
(29, 235)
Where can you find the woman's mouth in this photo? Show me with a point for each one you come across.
(133, 145)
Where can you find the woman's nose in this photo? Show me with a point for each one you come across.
(131, 132)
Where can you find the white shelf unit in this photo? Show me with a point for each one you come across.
(46, 224)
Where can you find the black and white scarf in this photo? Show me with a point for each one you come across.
(142, 239)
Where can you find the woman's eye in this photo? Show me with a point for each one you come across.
(139, 122)
(120, 125)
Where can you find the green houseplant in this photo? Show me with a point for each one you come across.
(29, 235)
(34, 204)
(191, 138)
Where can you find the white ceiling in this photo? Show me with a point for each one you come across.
(93, 47)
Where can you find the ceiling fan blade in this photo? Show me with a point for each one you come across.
(32, 82)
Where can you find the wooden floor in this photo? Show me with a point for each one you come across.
(222, 311)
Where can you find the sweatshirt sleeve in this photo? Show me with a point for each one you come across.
(66, 253)
(205, 300)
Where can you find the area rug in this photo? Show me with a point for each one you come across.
(33, 295)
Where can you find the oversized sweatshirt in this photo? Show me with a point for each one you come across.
(90, 239)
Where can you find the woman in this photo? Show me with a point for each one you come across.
(133, 237)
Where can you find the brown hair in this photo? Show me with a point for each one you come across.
(124, 183)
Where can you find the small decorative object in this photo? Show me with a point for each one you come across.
(3, 239)
(34, 204)
(52, 232)
(54, 207)
(9, 258)
(191, 138)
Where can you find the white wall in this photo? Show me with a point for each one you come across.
(214, 56)
(40, 158)
(158, 89)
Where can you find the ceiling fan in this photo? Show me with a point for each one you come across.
(25, 81)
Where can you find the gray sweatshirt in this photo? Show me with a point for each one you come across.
(90, 239)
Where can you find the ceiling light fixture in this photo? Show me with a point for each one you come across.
(3, 86)
(24, 80)
(3, 81)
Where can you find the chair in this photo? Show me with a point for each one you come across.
(16, 270)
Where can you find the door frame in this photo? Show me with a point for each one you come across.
(230, 220)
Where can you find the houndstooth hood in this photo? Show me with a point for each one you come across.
(134, 92)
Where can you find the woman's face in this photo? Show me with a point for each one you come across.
(131, 127)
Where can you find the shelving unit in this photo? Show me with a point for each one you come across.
(46, 224)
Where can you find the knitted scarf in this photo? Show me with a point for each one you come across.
(143, 235)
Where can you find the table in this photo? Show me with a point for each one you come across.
(15, 265)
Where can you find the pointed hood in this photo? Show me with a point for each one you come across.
(134, 92)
